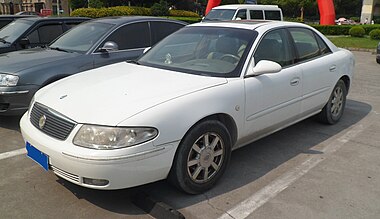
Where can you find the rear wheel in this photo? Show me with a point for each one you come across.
(334, 108)
(202, 157)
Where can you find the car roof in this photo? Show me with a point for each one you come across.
(248, 6)
(250, 24)
(127, 19)
(38, 19)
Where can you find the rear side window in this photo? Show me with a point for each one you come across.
(160, 30)
(322, 45)
(71, 25)
(242, 14)
(272, 15)
(256, 14)
(131, 36)
(305, 43)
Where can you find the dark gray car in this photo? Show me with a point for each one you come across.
(30, 32)
(89, 45)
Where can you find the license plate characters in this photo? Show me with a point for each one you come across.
(36, 155)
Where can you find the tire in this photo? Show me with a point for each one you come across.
(194, 156)
(334, 108)
(378, 60)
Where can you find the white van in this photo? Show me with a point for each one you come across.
(244, 12)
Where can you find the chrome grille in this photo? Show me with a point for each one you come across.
(64, 174)
(55, 124)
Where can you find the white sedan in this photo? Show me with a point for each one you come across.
(179, 110)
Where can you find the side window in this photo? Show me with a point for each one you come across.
(34, 37)
(160, 30)
(256, 14)
(131, 36)
(322, 45)
(48, 33)
(275, 46)
(305, 43)
(242, 14)
(272, 15)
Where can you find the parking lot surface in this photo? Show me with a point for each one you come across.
(308, 170)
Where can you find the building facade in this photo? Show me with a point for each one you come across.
(14, 6)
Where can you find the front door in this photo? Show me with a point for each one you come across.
(273, 100)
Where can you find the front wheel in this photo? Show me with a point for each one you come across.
(334, 108)
(202, 157)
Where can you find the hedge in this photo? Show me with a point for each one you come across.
(375, 34)
(343, 29)
(357, 31)
(182, 13)
(125, 11)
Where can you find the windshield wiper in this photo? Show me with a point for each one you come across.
(58, 49)
(4, 41)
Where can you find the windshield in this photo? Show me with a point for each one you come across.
(220, 14)
(212, 51)
(82, 37)
(14, 30)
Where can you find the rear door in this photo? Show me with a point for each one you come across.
(318, 66)
(161, 29)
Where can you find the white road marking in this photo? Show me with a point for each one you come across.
(12, 153)
(249, 205)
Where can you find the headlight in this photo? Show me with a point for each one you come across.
(107, 138)
(8, 80)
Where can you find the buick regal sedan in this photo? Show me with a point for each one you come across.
(89, 45)
(180, 109)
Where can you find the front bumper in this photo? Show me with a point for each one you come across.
(123, 168)
(15, 100)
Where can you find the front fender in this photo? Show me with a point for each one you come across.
(175, 117)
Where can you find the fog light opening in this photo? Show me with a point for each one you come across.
(95, 182)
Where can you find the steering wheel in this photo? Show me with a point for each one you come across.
(230, 58)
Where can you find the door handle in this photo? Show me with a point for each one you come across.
(332, 68)
(294, 81)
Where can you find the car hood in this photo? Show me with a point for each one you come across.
(17, 61)
(111, 94)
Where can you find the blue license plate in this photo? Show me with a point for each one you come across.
(36, 155)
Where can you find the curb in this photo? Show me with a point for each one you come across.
(156, 208)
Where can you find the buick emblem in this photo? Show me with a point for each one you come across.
(42, 121)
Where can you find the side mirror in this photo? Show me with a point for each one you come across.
(146, 49)
(24, 41)
(265, 67)
(109, 46)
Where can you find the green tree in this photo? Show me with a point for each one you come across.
(96, 3)
(74, 4)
